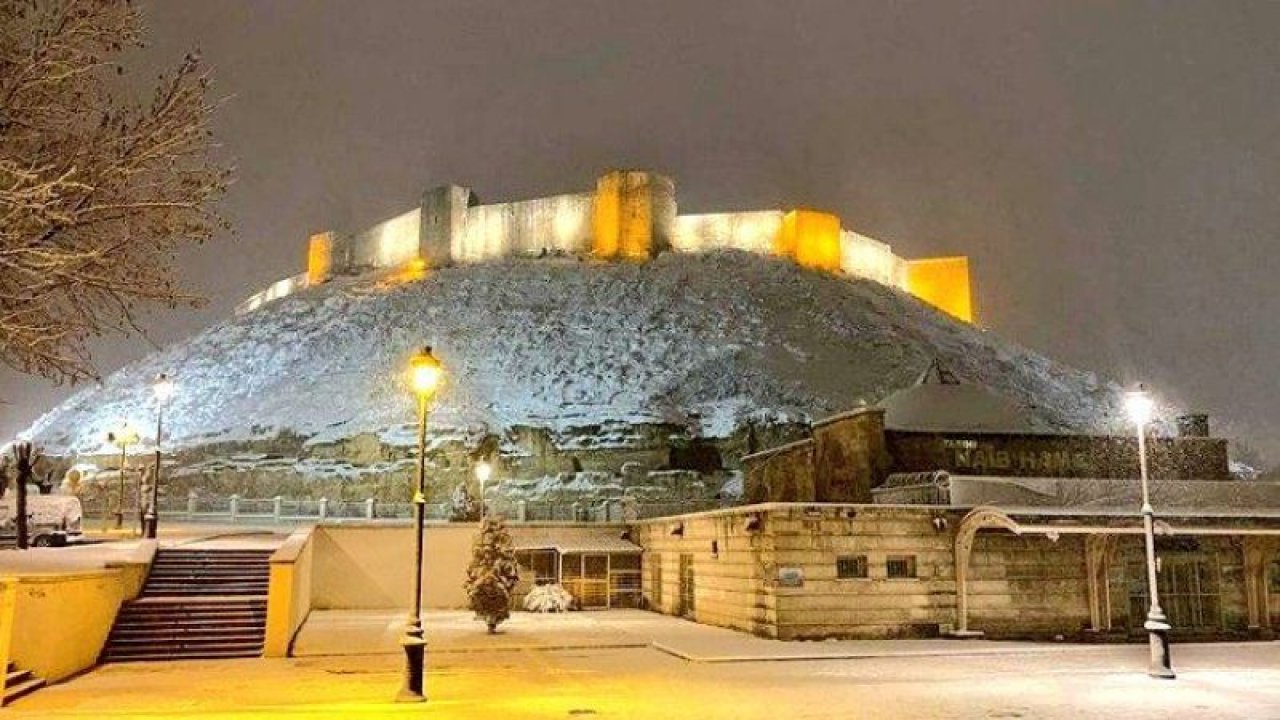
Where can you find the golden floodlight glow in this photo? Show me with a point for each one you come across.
(426, 373)
(943, 283)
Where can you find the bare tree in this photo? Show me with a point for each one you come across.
(96, 192)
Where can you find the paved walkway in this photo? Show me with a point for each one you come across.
(1235, 682)
(373, 632)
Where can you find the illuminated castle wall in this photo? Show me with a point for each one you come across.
(630, 215)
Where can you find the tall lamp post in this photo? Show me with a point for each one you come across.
(425, 376)
(1140, 408)
(122, 438)
(483, 472)
(163, 389)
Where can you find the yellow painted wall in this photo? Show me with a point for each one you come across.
(288, 593)
(943, 283)
(811, 238)
(622, 216)
(57, 624)
(370, 566)
(320, 258)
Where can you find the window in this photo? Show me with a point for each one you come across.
(851, 567)
(539, 564)
(900, 566)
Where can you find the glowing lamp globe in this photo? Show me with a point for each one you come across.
(163, 388)
(1139, 406)
(483, 471)
(123, 437)
(425, 373)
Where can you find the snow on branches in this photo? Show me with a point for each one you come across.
(492, 574)
(96, 192)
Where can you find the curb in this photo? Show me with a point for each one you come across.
(853, 655)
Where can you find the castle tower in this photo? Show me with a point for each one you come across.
(320, 258)
(633, 215)
(811, 238)
(444, 217)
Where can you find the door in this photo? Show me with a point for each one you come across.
(686, 607)
(592, 588)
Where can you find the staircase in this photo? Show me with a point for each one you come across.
(19, 683)
(195, 604)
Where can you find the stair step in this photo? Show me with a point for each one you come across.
(210, 571)
(244, 626)
(202, 611)
(13, 676)
(190, 618)
(227, 608)
(202, 654)
(158, 642)
(24, 688)
(182, 592)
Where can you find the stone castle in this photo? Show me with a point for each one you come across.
(630, 216)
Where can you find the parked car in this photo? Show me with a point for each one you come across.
(53, 520)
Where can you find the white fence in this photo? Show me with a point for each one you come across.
(289, 511)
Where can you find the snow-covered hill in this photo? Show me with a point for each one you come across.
(701, 340)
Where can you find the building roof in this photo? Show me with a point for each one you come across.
(576, 540)
(940, 402)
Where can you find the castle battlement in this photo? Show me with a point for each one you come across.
(631, 215)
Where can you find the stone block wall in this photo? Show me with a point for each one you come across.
(781, 474)
(849, 455)
(560, 224)
(877, 606)
(1028, 586)
(772, 570)
(390, 243)
(729, 563)
(748, 231)
(869, 258)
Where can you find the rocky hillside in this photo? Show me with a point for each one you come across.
(552, 357)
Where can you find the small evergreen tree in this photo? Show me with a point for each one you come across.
(492, 575)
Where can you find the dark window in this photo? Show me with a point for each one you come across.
(851, 567)
(900, 566)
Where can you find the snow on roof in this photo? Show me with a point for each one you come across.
(578, 541)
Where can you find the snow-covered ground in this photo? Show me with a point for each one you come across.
(584, 349)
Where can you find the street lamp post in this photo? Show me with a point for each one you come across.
(1140, 408)
(483, 472)
(425, 377)
(163, 389)
(122, 438)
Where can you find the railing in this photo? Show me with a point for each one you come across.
(290, 511)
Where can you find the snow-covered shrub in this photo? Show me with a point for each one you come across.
(548, 599)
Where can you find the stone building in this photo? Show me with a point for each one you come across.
(944, 426)
(812, 571)
(944, 512)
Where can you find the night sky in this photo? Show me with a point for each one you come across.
(1112, 169)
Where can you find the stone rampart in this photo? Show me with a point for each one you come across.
(630, 215)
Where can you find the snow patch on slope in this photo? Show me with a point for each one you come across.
(708, 341)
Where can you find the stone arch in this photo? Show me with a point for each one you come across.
(978, 518)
